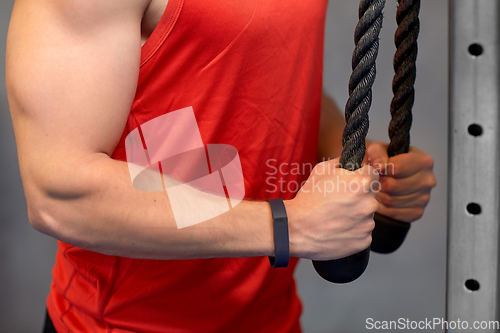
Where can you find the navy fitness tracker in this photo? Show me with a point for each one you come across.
(280, 230)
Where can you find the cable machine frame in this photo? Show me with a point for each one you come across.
(474, 155)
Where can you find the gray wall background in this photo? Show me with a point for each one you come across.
(407, 284)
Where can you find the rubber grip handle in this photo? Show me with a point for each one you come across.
(388, 234)
(343, 270)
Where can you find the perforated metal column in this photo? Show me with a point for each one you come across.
(473, 219)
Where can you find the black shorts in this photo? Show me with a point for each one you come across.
(48, 327)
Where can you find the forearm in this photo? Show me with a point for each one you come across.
(103, 212)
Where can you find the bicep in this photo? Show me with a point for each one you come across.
(71, 75)
(71, 79)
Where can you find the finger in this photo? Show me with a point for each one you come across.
(376, 155)
(414, 200)
(422, 181)
(401, 214)
(406, 165)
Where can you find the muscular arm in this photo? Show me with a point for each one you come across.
(72, 70)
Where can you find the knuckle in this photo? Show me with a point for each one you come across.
(389, 186)
(373, 205)
(419, 212)
(368, 169)
(364, 182)
(369, 206)
(391, 169)
(424, 199)
(356, 182)
(369, 179)
(370, 225)
(358, 178)
(428, 161)
(365, 178)
(366, 242)
(431, 182)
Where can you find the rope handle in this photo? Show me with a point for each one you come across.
(366, 39)
(389, 234)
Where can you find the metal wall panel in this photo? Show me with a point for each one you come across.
(474, 184)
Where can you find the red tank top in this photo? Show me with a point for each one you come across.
(252, 71)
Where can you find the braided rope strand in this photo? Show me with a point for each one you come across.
(366, 39)
(405, 69)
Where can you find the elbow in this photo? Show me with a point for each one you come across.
(47, 205)
(58, 198)
(52, 218)
(50, 200)
(60, 219)
(42, 218)
(35, 219)
(56, 218)
(60, 214)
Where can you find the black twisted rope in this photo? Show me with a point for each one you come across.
(356, 113)
(366, 38)
(404, 79)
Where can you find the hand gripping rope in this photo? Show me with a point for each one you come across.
(388, 234)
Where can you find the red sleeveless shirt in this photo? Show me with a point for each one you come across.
(252, 71)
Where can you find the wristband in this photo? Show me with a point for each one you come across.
(280, 230)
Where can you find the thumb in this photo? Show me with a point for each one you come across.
(376, 154)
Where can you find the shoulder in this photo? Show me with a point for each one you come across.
(77, 12)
